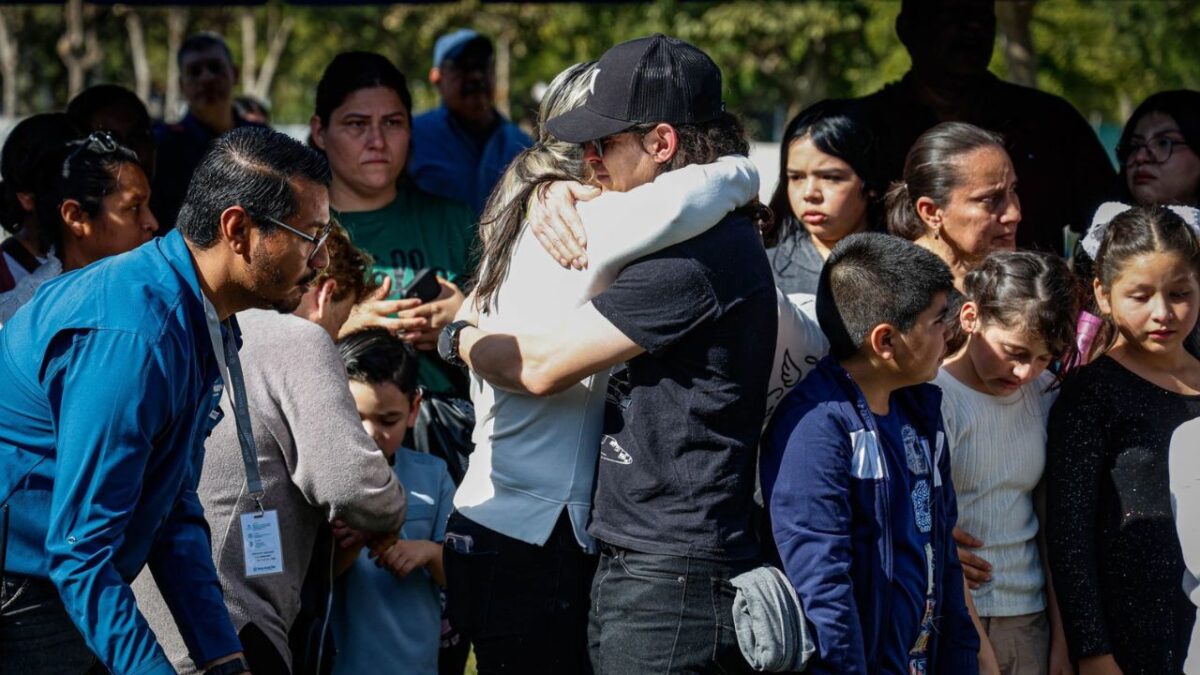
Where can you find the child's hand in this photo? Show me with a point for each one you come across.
(404, 556)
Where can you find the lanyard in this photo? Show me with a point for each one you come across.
(225, 347)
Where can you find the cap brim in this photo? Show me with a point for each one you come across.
(582, 125)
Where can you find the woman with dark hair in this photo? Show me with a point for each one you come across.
(26, 144)
(92, 202)
(826, 190)
(1158, 152)
(362, 123)
(958, 197)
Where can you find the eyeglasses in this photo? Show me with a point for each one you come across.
(1158, 147)
(598, 145)
(99, 142)
(317, 241)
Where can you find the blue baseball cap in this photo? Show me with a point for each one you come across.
(450, 45)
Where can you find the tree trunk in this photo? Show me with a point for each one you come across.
(176, 26)
(137, 51)
(266, 74)
(78, 47)
(503, 72)
(249, 50)
(8, 61)
(1014, 17)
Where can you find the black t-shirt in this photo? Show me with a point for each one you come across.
(677, 460)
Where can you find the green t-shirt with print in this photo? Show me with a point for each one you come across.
(415, 231)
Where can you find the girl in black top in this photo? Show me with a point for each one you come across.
(1114, 554)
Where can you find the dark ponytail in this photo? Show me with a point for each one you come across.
(901, 212)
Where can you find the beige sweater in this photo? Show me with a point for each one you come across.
(317, 463)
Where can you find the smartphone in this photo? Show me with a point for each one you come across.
(424, 286)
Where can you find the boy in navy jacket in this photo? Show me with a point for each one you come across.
(857, 477)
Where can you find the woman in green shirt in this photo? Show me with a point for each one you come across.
(363, 124)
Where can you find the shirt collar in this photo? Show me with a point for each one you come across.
(179, 258)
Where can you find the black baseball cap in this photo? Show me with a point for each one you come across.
(647, 80)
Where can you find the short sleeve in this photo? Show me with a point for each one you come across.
(656, 301)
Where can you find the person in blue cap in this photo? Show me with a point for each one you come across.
(460, 148)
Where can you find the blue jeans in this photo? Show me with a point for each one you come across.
(523, 607)
(36, 634)
(658, 614)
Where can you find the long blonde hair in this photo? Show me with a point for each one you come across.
(548, 160)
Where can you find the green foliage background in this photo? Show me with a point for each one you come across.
(1102, 55)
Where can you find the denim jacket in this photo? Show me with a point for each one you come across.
(111, 387)
(827, 485)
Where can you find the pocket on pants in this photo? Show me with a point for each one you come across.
(648, 567)
(469, 580)
(727, 653)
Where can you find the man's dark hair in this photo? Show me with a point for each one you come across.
(202, 41)
(102, 97)
(252, 167)
(376, 356)
(873, 278)
(351, 71)
(706, 142)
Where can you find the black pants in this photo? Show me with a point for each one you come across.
(523, 607)
(36, 633)
(664, 615)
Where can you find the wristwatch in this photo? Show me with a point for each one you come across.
(234, 667)
(448, 343)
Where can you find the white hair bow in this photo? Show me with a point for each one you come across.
(1109, 210)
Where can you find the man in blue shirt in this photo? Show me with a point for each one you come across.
(460, 149)
(112, 376)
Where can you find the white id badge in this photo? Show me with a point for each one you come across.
(260, 543)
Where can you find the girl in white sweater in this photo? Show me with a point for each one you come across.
(1019, 317)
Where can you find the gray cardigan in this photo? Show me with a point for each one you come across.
(317, 464)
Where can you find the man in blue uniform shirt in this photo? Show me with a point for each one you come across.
(460, 149)
(112, 375)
